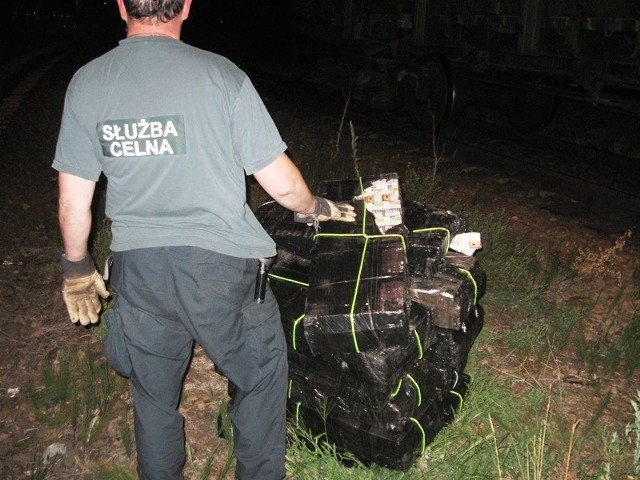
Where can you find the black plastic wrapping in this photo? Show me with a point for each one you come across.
(389, 407)
(310, 373)
(357, 295)
(449, 294)
(288, 235)
(426, 250)
(291, 299)
(468, 265)
(370, 444)
(386, 366)
(452, 347)
(420, 215)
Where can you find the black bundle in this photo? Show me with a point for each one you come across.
(380, 316)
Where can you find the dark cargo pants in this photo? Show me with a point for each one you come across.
(167, 298)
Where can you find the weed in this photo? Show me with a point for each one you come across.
(347, 100)
(126, 437)
(112, 472)
(602, 262)
(227, 432)
(311, 457)
(632, 432)
(76, 389)
(38, 470)
(56, 388)
(202, 468)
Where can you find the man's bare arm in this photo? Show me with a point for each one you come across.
(282, 180)
(74, 214)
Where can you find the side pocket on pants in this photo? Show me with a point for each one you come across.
(115, 344)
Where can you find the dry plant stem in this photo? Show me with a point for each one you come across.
(434, 146)
(540, 453)
(572, 442)
(354, 150)
(344, 115)
(495, 446)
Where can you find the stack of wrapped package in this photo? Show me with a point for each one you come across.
(379, 316)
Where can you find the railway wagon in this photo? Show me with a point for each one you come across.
(416, 54)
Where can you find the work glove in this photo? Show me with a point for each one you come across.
(81, 288)
(328, 210)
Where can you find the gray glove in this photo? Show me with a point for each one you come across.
(328, 210)
(81, 288)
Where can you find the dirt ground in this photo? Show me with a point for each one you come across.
(34, 327)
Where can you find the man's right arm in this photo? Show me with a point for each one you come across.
(282, 180)
(74, 214)
(82, 283)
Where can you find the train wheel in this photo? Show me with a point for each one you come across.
(429, 92)
(530, 109)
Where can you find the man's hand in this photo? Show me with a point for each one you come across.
(81, 288)
(327, 210)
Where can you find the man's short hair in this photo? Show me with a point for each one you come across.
(160, 10)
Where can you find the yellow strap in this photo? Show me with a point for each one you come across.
(417, 387)
(423, 442)
(395, 392)
(295, 328)
(472, 280)
(288, 280)
(436, 229)
(298, 414)
(419, 342)
(461, 400)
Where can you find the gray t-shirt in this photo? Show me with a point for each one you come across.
(174, 129)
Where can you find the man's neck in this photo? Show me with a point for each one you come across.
(168, 29)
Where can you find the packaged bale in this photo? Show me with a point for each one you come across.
(310, 373)
(289, 235)
(420, 215)
(426, 250)
(357, 294)
(341, 394)
(392, 415)
(291, 298)
(385, 366)
(291, 267)
(469, 266)
(449, 294)
(397, 450)
(453, 346)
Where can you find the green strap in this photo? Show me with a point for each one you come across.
(472, 280)
(395, 392)
(417, 388)
(436, 229)
(288, 280)
(460, 400)
(419, 342)
(295, 328)
(298, 414)
(423, 442)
